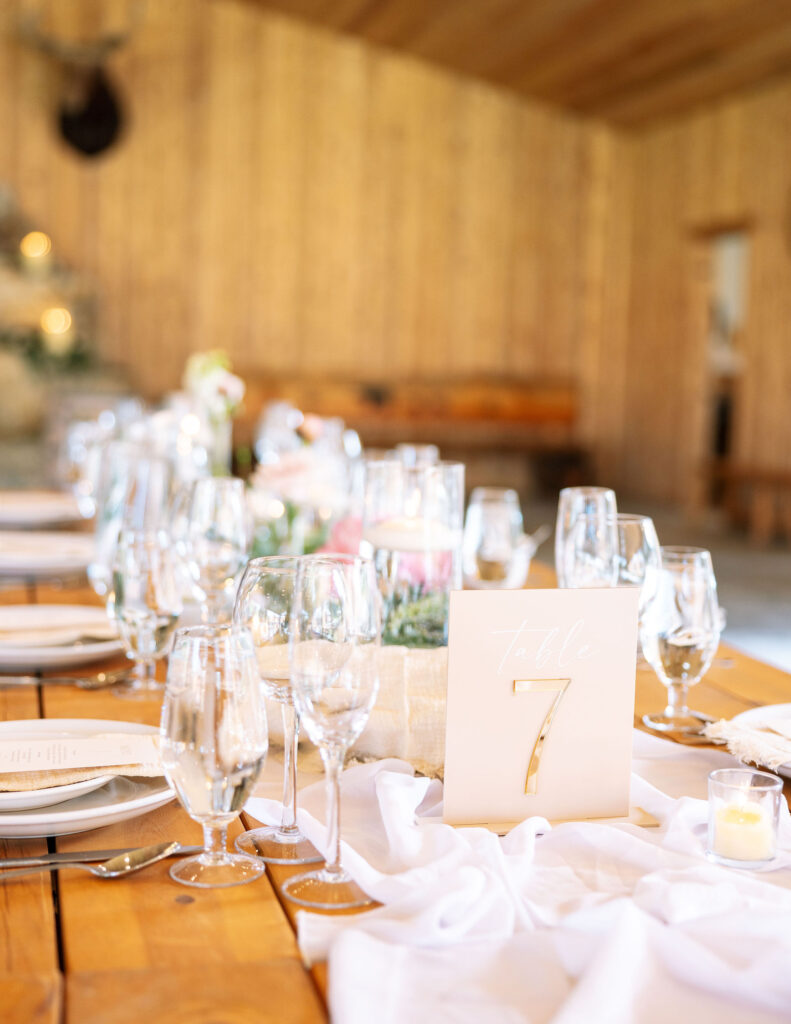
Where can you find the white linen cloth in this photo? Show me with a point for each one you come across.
(583, 922)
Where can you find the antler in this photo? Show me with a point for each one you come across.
(75, 54)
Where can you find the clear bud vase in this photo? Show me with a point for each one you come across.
(412, 528)
(221, 450)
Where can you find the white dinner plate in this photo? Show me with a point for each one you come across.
(63, 622)
(756, 716)
(25, 801)
(39, 554)
(35, 509)
(121, 798)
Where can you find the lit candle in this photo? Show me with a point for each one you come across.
(417, 534)
(743, 832)
(56, 330)
(35, 252)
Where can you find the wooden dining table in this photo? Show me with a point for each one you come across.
(82, 950)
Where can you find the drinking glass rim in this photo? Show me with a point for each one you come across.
(631, 517)
(210, 631)
(587, 490)
(270, 560)
(773, 782)
(678, 552)
(492, 493)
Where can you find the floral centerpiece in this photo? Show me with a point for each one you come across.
(217, 394)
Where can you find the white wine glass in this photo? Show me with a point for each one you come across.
(639, 556)
(263, 606)
(495, 551)
(586, 538)
(334, 636)
(213, 736)
(146, 604)
(680, 631)
(215, 536)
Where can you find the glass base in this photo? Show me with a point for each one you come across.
(214, 871)
(325, 890)
(134, 689)
(745, 865)
(275, 847)
(689, 724)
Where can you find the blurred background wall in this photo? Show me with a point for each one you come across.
(314, 204)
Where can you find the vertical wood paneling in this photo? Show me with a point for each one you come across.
(308, 203)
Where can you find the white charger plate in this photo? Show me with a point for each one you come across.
(120, 799)
(25, 801)
(26, 658)
(755, 716)
(35, 509)
(41, 553)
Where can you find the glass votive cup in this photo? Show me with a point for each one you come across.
(744, 808)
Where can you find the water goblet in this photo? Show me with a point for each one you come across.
(495, 551)
(586, 538)
(680, 631)
(216, 537)
(263, 606)
(146, 604)
(333, 642)
(214, 739)
(639, 557)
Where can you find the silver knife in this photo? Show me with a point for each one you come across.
(83, 855)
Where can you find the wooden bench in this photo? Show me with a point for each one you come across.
(537, 418)
(756, 498)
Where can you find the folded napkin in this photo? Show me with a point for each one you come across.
(762, 743)
(602, 923)
(41, 763)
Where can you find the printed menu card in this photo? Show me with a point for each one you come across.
(540, 705)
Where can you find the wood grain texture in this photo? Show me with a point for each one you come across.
(310, 203)
(617, 59)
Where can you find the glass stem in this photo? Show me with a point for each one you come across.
(210, 608)
(333, 762)
(288, 822)
(145, 671)
(214, 840)
(677, 700)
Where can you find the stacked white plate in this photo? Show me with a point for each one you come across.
(36, 509)
(63, 810)
(41, 554)
(54, 636)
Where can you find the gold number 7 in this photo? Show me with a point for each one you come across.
(557, 686)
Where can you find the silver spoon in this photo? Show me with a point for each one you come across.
(115, 867)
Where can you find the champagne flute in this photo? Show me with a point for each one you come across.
(586, 538)
(146, 604)
(216, 537)
(263, 605)
(680, 631)
(334, 635)
(213, 737)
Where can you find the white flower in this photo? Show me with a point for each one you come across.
(209, 380)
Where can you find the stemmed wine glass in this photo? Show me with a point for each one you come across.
(214, 534)
(639, 556)
(334, 635)
(680, 631)
(586, 538)
(214, 737)
(146, 604)
(263, 605)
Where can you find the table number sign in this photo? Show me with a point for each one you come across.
(540, 705)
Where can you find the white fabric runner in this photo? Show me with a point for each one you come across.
(582, 922)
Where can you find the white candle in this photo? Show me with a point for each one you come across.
(743, 832)
(418, 534)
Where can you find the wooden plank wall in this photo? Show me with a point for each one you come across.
(727, 165)
(311, 203)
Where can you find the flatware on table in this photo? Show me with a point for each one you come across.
(93, 682)
(85, 856)
(115, 867)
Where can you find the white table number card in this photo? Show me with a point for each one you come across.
(540, 705)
